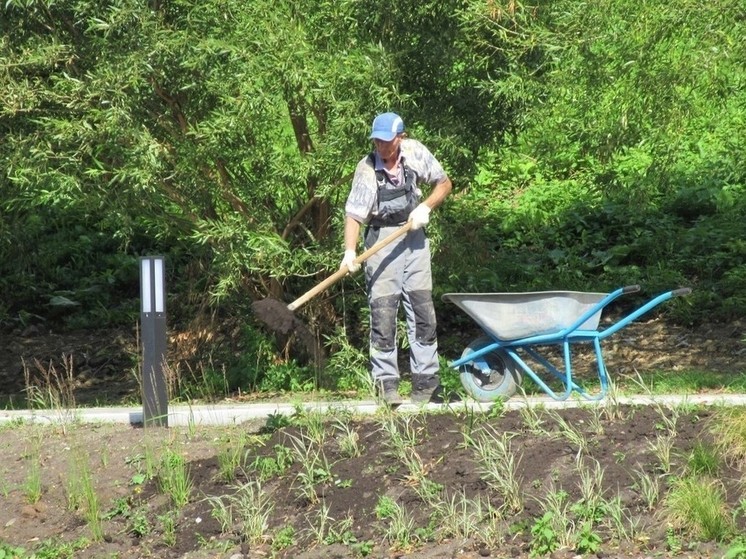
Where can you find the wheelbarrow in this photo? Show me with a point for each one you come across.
(521, 325)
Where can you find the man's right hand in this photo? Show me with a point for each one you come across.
(349, 261)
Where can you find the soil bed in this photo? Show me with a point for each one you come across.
(339, 514)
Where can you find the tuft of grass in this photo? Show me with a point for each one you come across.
(499, 465)
(696, 506)
(315, 468)
(729, 429)
(253, 506)
(49, 389)
(249, 505)
(566, 431)
(649, 487)
(662, 447)
(81, 492)
(703, 459)
(231, 454)
(174, 479)
(400, 532)
(348, 439)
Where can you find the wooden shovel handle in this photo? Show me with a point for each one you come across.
(342, 272)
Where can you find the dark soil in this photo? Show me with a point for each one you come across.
(339, 517)
(124, 463)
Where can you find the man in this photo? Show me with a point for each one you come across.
(385, 195)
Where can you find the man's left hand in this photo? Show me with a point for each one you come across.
(420, 216)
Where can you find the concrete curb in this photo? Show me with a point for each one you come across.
(233, 414)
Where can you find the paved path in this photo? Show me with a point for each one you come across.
(227, 414)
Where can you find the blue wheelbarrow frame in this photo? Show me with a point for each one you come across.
(494, 356)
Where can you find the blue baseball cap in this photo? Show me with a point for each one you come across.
(386, 126)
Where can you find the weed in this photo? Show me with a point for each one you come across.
(736, 549)
(385, 507)
(556, 515)
(673, 541)
(11, 551)
(275, 422)
(168, 527)
(363, 549)
(587, 541)
(139, 525)
(544, 539)
(283, 538)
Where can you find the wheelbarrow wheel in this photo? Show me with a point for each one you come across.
(491, 376)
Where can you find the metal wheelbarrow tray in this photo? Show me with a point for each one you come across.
(518, 324)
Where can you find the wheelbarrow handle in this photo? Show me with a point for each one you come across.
(342, 272)
(631, 289)
(681, 291)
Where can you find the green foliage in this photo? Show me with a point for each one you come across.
(11, 552)
(385, 507)
(587, 541)
(267, 467)
(224, 134)
(544, 538)
(283, 538)
(347, 364)
(696, 505)
(283, 377)
(703, 460)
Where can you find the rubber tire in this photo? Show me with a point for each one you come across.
(504, 374)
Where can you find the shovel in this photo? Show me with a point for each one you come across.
(343, 271)
(280, 318)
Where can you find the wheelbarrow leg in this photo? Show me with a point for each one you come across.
(529, 371)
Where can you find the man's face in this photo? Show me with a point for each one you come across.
(388, 151)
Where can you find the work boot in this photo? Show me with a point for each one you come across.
(388, 390)
(423, 387)
(429, 389)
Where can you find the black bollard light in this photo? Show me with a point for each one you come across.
(153, 327)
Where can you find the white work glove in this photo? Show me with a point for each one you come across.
(349, 261)
(420, 216)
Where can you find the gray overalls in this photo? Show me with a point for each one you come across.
(400, 272)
